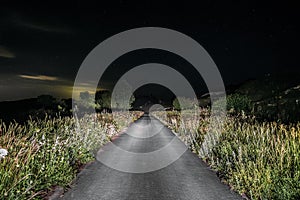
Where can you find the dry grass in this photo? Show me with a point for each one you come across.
(257, 159)
(49, 152)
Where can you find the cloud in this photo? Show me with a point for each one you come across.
(39, 77)
(43, 27)
(28, 23)
(4, 52)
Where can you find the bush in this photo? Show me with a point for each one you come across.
(259, 159)
(187, 103)
(236, 103)
(44, 153)
(49, 152)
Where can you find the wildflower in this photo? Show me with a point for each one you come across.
(3, 153)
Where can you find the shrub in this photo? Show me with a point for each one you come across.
(236, 103)
(186, 103)
(259, 159)
(49, 152)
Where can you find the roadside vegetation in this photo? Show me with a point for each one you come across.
(49, 152)
(257, 158)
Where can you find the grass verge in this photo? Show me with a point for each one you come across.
(49, 152)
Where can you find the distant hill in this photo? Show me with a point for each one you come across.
(268, 86)
(21, 110)
(17, 110)
(274, 96)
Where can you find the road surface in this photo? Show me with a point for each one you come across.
(133, 178)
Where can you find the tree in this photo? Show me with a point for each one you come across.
(176, 104)
(239, 103)
(122, 97)
(86, 101)
(236, 103)
(103, 100)
(184, 103)
(46, 101)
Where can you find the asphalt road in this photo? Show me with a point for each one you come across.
(141, 168)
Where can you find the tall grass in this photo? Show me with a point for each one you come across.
(257, 159)
(49, 152)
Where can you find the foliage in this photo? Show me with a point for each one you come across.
(122, 100)
(184, 103)
(239, 103)
(122, 97)
(258, 159)
(275, 97)
(278, 109)
(103, 100)
(49, 152)
(86, 101)
(46, 101)
(236, 103)
(176, 104)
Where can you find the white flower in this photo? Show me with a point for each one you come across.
(3, 153)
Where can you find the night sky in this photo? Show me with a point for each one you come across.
(42, 44)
